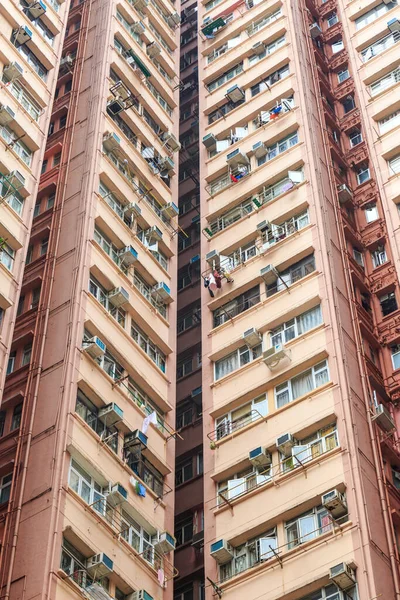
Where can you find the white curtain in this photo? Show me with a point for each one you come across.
(310, 319)
(302, 384)
(226, 365)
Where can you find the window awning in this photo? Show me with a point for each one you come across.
(140, 64)
(211, 27)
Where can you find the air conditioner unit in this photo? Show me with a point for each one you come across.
(135, 438)
(166, 543)
(383, 417)
(394, 25)
(132, 210)
(236, 157)
(285, 443)
(95, 347)
(154, 233)
(111, 141)
(13, 71)
(260, 457)
(258, 48)
(221, 551)
(252, 337)
(167, 164)
(343, 575)
(16, 179)
(128, 255)
(138, 27)
(263, 225)
(139, 595)
(37, 8)
(111, 414)
(269, 274)
(6, 114)
(117, 495)
(116, 106)
(153, 50)
(118, 297)
(99, 565)
(213, 258)
(235, 93)
(171, 140)
(173, 19)
(162, 291)
(209, 141)
(335, 502)
(274, 355)
(344, 194)
(171, 210)
(67, 60)
(22, 35)
(259, 149)
(315, 31)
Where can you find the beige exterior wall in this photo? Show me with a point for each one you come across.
(350, 463)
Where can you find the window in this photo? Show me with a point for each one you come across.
(43, 246)
(184, 530)
(388, 303)
(332, 20)
(373, 14)
(308, 526)
(73, 564)
(379, 256)
(35, 297)
(2, 422)
(7, 255)
(337, 46)
(385, 82)
(257, 25)
(225, 77)
(5, 488)
(348, 104)
(281, 146)
(389, 122)
(396, 356)
(363, 175)
(297, 326)
(358, 257)
(380, 46)
(26, 355)
(249, 554)
(237, 359)
(36, 210)
(270, 80)
(184, 471)
(394, 165)
(185, 593)
(50, 201)
(184, 367)
(269, 49)
(355, 138)
(292, 274)
(34, 62)
(242, 482)
(68, 86)
(11, 362)
(16, 417)
(137, 537)
(57, 157)
(236, 306)
(331, 592)
(307, 449)
(371, 213)
(302, 384)
(89, 413)
(343, 75)
(188, 320)
(185, 414)
(16, 145)
(44, 166)
(86, 487)
(148, 347)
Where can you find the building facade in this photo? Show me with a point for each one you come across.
(88, 410)
(299, 159)
(189, 524)
(31, 40)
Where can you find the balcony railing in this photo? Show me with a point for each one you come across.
(145, 291)
(227, 428)
(142, 471)
(380, 46)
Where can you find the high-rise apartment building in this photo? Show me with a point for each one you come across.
(300, 157)
(88, 410)
(189, 523)
(30, 42)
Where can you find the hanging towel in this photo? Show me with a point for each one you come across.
(133, 482)
(160, 577)
(233, 178)
(212, 283)
(141, 490)
(218, 279)
(151, 418)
